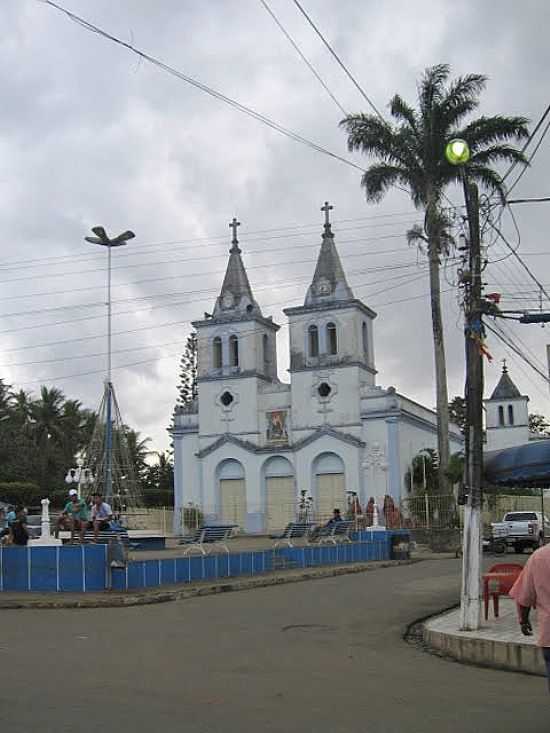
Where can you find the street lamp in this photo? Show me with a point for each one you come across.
(81, 476)
(457, 153)
(102, 239)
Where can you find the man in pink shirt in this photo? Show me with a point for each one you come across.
(531, 589)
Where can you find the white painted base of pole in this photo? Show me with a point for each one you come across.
(470, 596)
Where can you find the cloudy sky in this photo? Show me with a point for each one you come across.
(91, 135)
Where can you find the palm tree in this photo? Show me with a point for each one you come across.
(48, 430)
(409, 153)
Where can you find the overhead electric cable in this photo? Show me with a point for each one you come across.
(303, 57)
(203, 87)
(339, 61)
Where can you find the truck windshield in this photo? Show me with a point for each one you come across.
(521, 517)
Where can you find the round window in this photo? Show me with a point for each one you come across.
(226, 399)
(324, 389)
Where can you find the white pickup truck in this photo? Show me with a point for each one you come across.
(522, 529)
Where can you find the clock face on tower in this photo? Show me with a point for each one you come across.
(227, 301)
(323, 287)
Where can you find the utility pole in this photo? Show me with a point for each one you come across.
(457, 153)
(470, 601)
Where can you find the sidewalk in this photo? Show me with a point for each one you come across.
(499, 642)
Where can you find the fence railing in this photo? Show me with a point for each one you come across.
(420, 511)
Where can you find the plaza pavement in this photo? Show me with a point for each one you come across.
(327, 656)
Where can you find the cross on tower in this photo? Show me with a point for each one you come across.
(326, 208)
(504, 369)
(233, 225)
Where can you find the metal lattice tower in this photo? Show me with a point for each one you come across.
(119, 486)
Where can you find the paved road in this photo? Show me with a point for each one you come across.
(324, 656)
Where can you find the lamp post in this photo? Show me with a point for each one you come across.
(457, 153)
(80, 476)
(102, 239)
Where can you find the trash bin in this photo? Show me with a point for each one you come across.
(400, 547)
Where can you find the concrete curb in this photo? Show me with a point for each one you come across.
(181, 592)
(482, 652)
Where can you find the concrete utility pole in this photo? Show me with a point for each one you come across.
(470, 601)
(457, 153)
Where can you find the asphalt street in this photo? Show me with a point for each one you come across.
(325, 656)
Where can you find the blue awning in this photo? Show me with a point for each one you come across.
(523, 465)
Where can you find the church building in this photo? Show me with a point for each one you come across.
(251, 443)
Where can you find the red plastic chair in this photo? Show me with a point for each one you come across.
(498, 581)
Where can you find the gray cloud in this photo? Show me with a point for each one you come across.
(90, 135)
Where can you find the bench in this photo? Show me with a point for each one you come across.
(211, 536)
(292, 531)
(337, 532)
(104, 537)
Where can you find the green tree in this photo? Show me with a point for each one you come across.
(538, 424)
(187, 387)
(409, 152)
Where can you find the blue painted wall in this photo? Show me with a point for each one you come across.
(78, 569)
(84, 568)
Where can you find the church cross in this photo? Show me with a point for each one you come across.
(504, 369)
(234, 224)
(326, 208)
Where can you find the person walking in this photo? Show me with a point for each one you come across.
(532, 589)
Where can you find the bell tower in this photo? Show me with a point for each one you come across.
(331, 343)
(236, 349)
(507, 414)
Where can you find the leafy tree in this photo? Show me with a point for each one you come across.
(409, 152)
(457, 412)
(538, 424)
(40, 438)
(187, 387)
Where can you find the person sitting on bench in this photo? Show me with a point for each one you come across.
(336, 517)
(74, 516)
(102, 515)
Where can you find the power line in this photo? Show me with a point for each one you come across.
(528, 201)
(19, 264)
(519, 259)
(203, 87)
(189, 302)
(303, 57)
(339, 60)
(530, 159)
(528, 142)
(511, 345)
(209, 257)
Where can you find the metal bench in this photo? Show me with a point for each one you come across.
(292, 531)
(205, 539)
(337, 532)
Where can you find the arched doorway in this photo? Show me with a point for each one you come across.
(280, 493)
(232, 492)
(330, 485)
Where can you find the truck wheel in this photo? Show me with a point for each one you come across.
(500, 548)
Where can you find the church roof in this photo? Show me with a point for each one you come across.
(505, 389)
(236, 298)
(329, 282)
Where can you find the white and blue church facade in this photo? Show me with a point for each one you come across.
(250, 443)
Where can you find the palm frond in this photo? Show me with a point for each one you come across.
(499, 154)
(488, 178)
(403, 112)
(417, 238)
(431, 88)
(378, 178)
(485, 131)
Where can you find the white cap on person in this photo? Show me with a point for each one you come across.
(73, 492)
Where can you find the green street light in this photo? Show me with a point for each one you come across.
(457, 152)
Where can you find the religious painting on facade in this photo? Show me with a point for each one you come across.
(276, 426)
